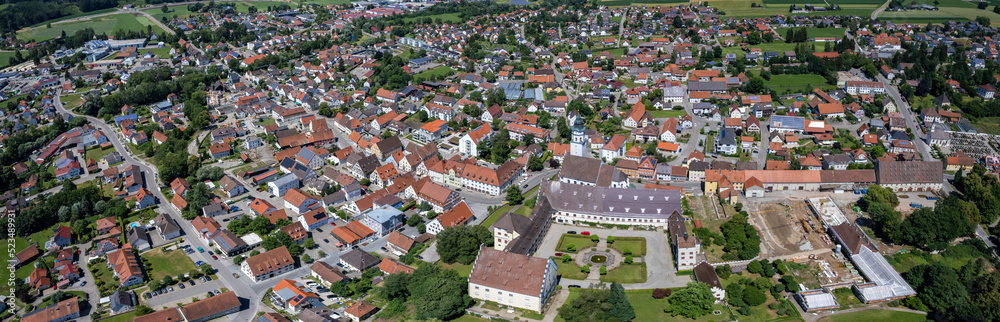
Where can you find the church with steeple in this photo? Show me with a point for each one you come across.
(578, 146)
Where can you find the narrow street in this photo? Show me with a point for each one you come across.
(150, 176)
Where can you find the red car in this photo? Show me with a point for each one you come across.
(559, 254)
(586, 233)
(215, 258)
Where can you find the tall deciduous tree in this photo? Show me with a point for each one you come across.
(692, 301)
(461, 243)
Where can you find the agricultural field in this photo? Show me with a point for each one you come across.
(445, 17)
(622, 3)
(954, 10)
(101, 25)
(741, 8)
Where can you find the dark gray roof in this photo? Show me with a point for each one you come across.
(617, 202)
(360, 259)
(707, 87)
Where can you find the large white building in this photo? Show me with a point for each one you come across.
(578, 204)
(512, 279)
(268, 264)
(469, 143)
(863, 87)
(491, 181)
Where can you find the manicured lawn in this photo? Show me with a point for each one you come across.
(19, 245)
(462, 269)
(581, 242)
(569, 270)
(817, 32)
(43, 236)
(101, 25)
(649, 309)
(445, 17)
(496, 215)
(626, 274)
(635, 244)
(265, 122)
(876, 315)
(667, 113)
(126, 317)
(96, 152)
(796, 83)
(159, 52)
(523, 210)
(173, 263)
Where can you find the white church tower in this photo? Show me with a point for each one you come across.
(578, 147)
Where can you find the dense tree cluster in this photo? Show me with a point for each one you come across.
(742, 239)
(951, 218)
(968, 293)
(599, 303)
(259, 225)
(280, 238)
(435, 293)
(461, 243)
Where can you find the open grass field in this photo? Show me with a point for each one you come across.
(106, 24)
(579, 241)
(989, 125)
(637, 245)
(82, 14)
(163, 53)
(797, 83)
(667, 113)
(622, 3)
(817, 32)
(97, 152)
(876, 315)
(777, 45)
(741, 8)
(956, 10)
(626, 274)
(445, 17)
(649, 309)
(5, 57)
(329, 2)
(462, 269)
(124, 317)
(173, 263)
(439, 71)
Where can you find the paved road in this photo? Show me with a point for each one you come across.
(660, 270)
(150, 176)
(880, 9)
(911, 121)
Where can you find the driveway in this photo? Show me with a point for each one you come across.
(199, 290)
(660, 270)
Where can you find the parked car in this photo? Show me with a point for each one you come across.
(84, 283)
(236, 275)
(571, 232)
(339, 264)
(199, 263)
(201, 250)
(217, 292)
(181, 285)
(170, 289)
(149, 296)
(326, 240)
(385, 249)
(586, 233)
(574, 286)
(319, 229)
(215, 258)
(202, 279)
(331, 296)
(559, 254)
(192, 282)
(208, 278)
